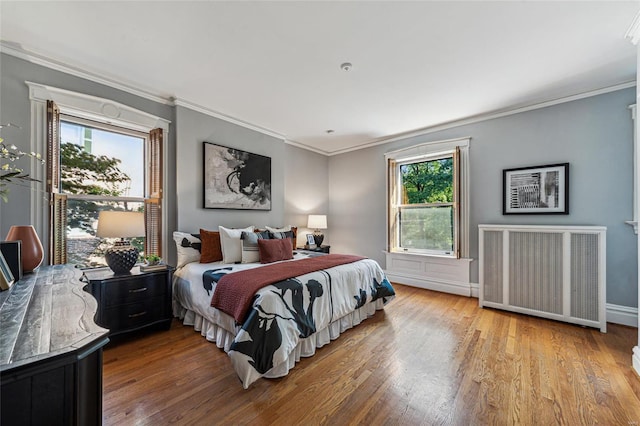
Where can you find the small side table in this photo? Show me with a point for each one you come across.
(321, 249)
(128, 302)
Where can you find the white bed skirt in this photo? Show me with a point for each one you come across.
(223, 338)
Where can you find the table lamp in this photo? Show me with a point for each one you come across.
(317, 222)
(118, 224)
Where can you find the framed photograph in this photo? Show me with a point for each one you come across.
(6, 277)
(536, 190)
(310, 240)
(236, 179)
(12, 252)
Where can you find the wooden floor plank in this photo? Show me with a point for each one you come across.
(428, 358)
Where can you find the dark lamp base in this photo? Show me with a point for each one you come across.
(318, 238)
(121, 258)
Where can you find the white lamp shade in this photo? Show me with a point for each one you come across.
(115, 224)
(317, 221)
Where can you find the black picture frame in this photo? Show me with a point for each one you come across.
(12, 252)
(536, 189)
(6, 277)
(235, 179)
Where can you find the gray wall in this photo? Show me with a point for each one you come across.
(193, 128)
(15, 108)
(594, 135)
(306, 190)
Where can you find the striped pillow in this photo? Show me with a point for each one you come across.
(250, 253)
(282, 236)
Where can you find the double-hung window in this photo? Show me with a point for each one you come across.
(101, 168)
(425, 187)
(95, 166)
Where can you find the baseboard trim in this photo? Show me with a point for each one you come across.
(616, 314)
(475, 290)
(624, 315)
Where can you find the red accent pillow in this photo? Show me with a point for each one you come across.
(211, 250)
(275, 250)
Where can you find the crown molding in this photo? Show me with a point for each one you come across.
(307, 147)
(484, 117)
(633, 33)
(18, 51)
(224, 117)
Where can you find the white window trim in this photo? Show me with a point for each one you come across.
(91, 108)
(634, 221)
(432, 149)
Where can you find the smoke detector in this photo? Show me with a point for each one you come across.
(346, 66)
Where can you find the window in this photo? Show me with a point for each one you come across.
(426, 209)
(424, 199)
(101, 168)
(95, 166)
(49, 213)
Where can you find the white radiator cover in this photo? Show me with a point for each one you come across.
(556, 272)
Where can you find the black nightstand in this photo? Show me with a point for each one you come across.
(321, 249)
(129, 302)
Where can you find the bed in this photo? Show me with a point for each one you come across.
(287, 319)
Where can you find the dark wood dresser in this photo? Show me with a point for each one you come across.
(50, 351)
(128, 302)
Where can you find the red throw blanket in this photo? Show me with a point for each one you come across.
(234, 292)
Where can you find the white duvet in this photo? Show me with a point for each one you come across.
(288, 319)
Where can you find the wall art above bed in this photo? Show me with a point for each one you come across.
(236, 179)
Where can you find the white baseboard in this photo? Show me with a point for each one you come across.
(475, 290)
(616, 314)
(624, 315)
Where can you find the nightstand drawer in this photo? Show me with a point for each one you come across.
(143, 288)
(128, 302)
(130, 315)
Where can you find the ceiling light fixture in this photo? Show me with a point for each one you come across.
(346, 66)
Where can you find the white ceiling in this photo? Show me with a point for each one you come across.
(276, 65)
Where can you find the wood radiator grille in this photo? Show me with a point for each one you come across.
(549, 271)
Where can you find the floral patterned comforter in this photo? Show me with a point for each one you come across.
(309, 309)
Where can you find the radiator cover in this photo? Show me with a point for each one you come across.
(555, 272)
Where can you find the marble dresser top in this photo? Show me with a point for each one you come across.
(46, 314)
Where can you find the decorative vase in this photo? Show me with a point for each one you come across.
(121, 257)
(32, 252)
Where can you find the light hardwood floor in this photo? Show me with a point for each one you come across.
(429, 358)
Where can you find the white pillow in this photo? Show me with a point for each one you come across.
(283, 229)
(188, 246)
(232, 244)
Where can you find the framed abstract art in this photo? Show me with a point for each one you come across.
(536, 190)
(236, 179)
